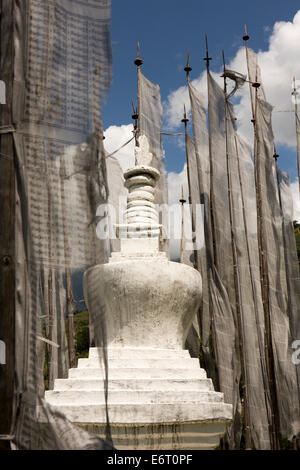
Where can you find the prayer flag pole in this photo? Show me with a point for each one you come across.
(297, 122)
(7, 232)
(185, 120)
(237, 285)
(138, 62)
(273, 424)
(182, 202)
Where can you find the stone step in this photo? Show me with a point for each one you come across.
(184, 436)
(137, 362)
(80, 398)
(152, 413)
(142, 353)
(138, 373)
(134, 384)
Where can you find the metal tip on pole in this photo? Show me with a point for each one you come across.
(138, 61)
(182, 200)
(246, 37)
(206, 58)
(135, 115)
(294, 92)
(188, 68)
(223, 57)
(185, 119)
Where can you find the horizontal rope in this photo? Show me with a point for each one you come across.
(52, 343)
(120, 148)
(175, 134)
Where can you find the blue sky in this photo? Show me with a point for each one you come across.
(166, 29)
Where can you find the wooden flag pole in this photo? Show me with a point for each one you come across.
(273, 424)
(207, 60)
(7, 231)
(185, 120)
(138, 62)
(237, 285)
(182, 202)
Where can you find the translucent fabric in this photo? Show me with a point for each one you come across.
(292, 263)
(200, 193)
(62, 68)
(150, 125)
(229, 371)
(280, 308)
(232, 324)
(247, 281)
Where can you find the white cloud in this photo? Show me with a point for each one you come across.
(174, 105)
(175, 182)
(115, 136)
(279, 64)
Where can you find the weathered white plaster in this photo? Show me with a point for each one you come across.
(158, 396)
(145, 245)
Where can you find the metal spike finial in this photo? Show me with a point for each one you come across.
(294, 92)
(182, 200)
(224, 64)
(207, 58)
(188, 68)
(138, 61)
(224, 75)
(223, 56)
(185, 119)
(246, 37)
(135, 115)
(275, 155)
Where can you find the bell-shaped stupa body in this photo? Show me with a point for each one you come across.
(149, 300)
(159, 397)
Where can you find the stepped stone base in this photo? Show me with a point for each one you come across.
(167, 436)
(157, 399)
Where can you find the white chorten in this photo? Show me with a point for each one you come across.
(158, 396)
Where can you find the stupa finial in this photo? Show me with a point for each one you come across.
(142, 153)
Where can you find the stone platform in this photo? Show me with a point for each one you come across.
(157, 398)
